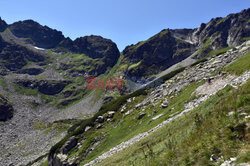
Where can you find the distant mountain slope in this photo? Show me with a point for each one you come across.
(168, 47)
(42, 36)
(43, 84)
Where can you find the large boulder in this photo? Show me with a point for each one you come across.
(111, 114)
(141, 116)
(71, 143)
(100, 119)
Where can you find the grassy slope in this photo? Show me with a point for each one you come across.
(192, 139)
(207, 130)
(116, 132)
(127, 126)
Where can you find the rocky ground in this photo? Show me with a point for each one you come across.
(20, 141)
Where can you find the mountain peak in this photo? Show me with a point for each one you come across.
(40, 36)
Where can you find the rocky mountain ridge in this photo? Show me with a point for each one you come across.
(168, 47)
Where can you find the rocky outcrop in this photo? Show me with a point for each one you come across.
(222, 32)
(14, 57)
(51, 87)
(3, 25)
(6, 110)
(111, 114)
(71, 143)
(58, 160)
(48, 87)
(38, 35)
(156, 54)
(2, 44)
(100, 119)
(141, 116)
(31, 71)
(93, 47)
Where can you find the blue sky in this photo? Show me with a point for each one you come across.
(124, 21)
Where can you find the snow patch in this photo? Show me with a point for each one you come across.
(39, 48)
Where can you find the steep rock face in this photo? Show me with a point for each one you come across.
(155, 54)
(2, 44)
(6, 110)
(222, 32)
(14, 57)
(3, 25)
(93, 47)
(36, 34)
(98, 47)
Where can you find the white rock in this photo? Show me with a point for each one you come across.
(157, 117)
(111, 114)
(87, 128)
(62, 157)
